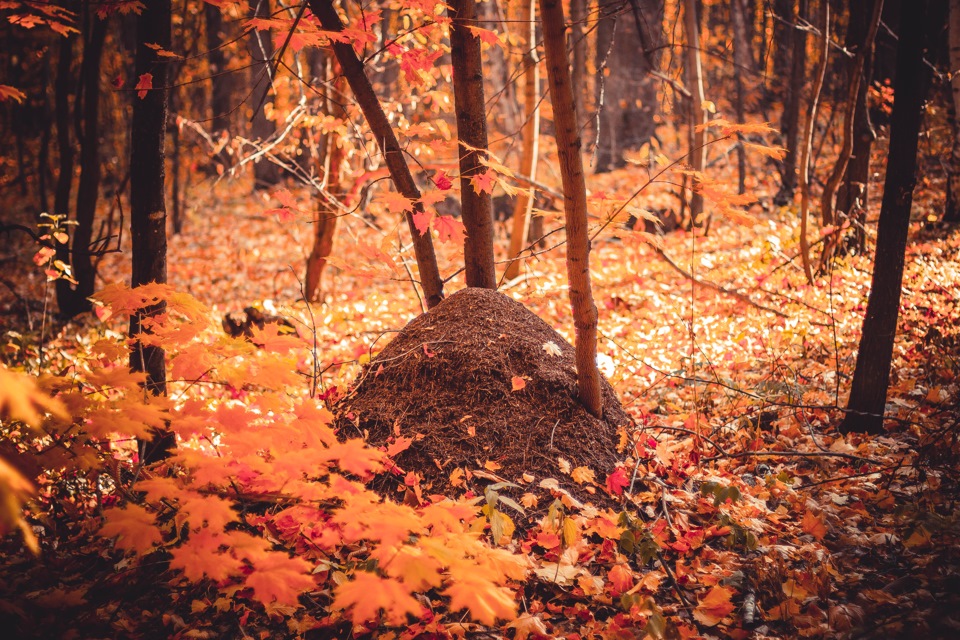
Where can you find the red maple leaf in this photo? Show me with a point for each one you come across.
(144, 84)
(449, 228)
(617, 481)
(442, 181)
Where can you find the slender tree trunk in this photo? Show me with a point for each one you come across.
(871, 377)
(43, 157)
(88, 188)
(148, 212)
(791, 110)
(807, 141)
(531, 139)
(574, 204)
(854, 190)
(578, 69)
(265, 173)
(489, 15)
(219, 81)
(176, 194)
(743, 64)
(61, 199)
(330, 160)
(952, 208)
(698, 152)
(628, 38)
(469, 105)
(862, 49)
(387, 140)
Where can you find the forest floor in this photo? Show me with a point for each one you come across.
(757, 518)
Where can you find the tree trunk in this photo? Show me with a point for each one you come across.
(854, 190)
(219, 80)
(61, 198)
(148, 212)
(387, 140)
(698, 152)
(807, 140)
(952, 207)
(531, 139)
(743, 64)
(265, 173)
(330, 161)
(574, 204)
(628, 37)
(578, 68)
(862, 49)
(495, 66)
(791, 109)
(469, 105)
(871, 377)
(88, 189)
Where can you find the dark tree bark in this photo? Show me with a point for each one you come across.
(952, 207)
(791, 108)
(862, 48)
(330, 158)
(855, 188)
(387, 140)
(63, 89)
(871, 377)
(574, 204)
(469, 105)
(743, 64)
(220, 82)
(696, 136)
(148, 212)
(43, 156)
(265, 173)
(87, 112)
(628, 39)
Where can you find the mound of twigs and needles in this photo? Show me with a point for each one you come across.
(482, 384)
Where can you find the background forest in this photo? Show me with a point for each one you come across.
(509, 318)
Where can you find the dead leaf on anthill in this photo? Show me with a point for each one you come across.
(564, 465)
(490, 465)
(456, 477)
(517, 383)
(583, 475)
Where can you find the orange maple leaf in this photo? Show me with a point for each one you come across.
(485, 601)
(714, 607)
(200, 556)
(367, 594)
(620, 579)
(814, 525)
(133, 526)
(483, 182)
(279, 578)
